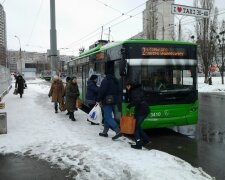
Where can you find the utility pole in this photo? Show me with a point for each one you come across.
(102, 33)
(222, 46)
(53, 40)
(20, 57)
(179, 30)
(109, 35)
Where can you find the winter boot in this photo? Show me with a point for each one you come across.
(72, 116)
(104, 133)
(137, 145)
(118, 134)
(56, 108)
(146, 143)
(68, 113)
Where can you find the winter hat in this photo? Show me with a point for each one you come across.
(74, 77)
(130, 82)
(68, 79)
(93, 77)
(56, 77)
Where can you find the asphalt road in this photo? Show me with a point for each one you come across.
(14, 167)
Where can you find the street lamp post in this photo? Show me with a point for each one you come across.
(179, 27)
(20, 56)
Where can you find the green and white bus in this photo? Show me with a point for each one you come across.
(167, 71)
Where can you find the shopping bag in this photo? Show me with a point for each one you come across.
(95, 115)
(127, 124)
(62, 106)
(15, 91)
(78, 103)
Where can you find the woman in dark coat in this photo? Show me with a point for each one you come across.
(20, 83)
(72, 93)
(141, 111)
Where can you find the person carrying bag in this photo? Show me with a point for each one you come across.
(141, 111)
(127, 123)
(108, 96)
(95, 115)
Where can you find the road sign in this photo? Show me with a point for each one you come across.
(189, 11)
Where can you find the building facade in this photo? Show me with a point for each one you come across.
(3, 42)
(38, 61)
(158, 21)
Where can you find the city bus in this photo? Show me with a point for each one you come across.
(166, 70)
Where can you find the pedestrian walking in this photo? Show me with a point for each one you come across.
(68, 79)
(19, 85)
(92, 93)
(141, 110)
(72, 93)
(56, 92)
(108, 96)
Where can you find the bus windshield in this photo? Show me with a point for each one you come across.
(164, 78)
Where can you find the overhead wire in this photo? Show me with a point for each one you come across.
(130, 16)
(3, 1)
(35, 21)
(122, 14)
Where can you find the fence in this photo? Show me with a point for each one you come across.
(5, 81)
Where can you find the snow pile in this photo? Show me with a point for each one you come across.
(216, 86)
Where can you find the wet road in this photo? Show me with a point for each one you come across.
(209, 156)
(211, 126)
(207, 150)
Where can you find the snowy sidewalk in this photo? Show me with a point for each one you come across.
(35, 130)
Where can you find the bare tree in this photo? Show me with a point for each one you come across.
(81, 50)
(206, 35)
(219, 55)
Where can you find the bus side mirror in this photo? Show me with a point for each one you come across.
(123, 67)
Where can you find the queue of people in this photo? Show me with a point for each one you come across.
(107, 95)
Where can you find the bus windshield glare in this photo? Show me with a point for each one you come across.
(164, 78)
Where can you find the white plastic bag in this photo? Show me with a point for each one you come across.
(95, 115)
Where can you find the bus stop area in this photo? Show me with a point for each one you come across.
(38, 138)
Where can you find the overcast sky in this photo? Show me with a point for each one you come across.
(78, 23)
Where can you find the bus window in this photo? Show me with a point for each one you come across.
(100, 70)
(162, 78)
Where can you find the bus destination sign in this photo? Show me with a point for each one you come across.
(163, 51)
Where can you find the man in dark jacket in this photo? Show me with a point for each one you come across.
(72, 93)
(68, 79)
(20, 82)
(141, 111)
(108, 96)
(92, 93)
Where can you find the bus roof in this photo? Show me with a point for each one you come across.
(100, 48)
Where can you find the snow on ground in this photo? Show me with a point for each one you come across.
(35, 130)
(216, 86)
